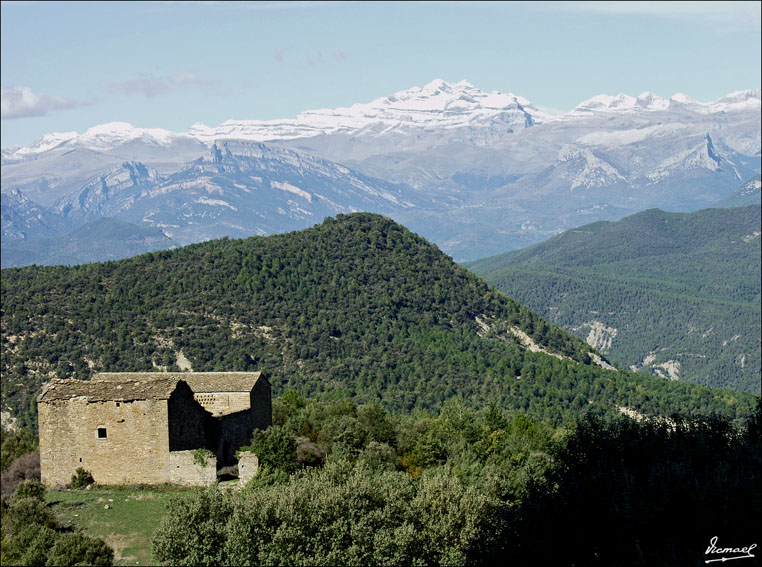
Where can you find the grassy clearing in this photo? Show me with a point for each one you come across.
(127, 525)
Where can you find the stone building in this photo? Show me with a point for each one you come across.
(140, 427)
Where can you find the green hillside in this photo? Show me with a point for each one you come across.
(673, 294)
(355, 306)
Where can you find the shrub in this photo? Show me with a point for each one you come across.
(29, 545)
(378, 456)
(275, 447)
(15, 444)
(30, 489)
(32, 535)
(308, 452)
(336, 515)
(79, 549)
(344, 435)
(193, 530)
(25, 512)
(201, 457)
(267, 476)
(25, 467)
(81, 478)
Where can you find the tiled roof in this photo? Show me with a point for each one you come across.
(200, 382)
(102, 390)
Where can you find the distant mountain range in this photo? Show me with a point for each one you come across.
(96, 241)
(747, 194)
(671, 294)
(476, 172)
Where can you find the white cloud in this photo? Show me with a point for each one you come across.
(151, 86)
(23, 102)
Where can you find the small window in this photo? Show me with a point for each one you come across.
(102, 433)
(80, 459)
(117, 404)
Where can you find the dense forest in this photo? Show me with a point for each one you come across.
(342, 484)
(357, 305)
(664, 291)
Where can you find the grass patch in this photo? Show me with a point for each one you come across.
(127, 525)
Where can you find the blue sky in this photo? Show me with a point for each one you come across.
(70, 66)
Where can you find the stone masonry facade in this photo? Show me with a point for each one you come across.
(143, 428)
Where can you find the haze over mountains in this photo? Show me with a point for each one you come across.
(478, 173)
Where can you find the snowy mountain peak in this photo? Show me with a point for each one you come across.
(47, 142)
(459, 111)
(734, 102)
(740, 96)
(438, 104)
(99, 138)
(114, 133)
(607, 103)
(682, 98)
(436, 85)
(651, 101)
(621, 103)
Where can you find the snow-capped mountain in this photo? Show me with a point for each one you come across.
(476, 172)
(738, 101)
(98, 138)
(438, 105)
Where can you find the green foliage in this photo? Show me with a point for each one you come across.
(643, 493)
(675, 286)
(378, 456)
(606, 491)
(267, 476)
(81, 478)
(30, 489)
(29, 545)
(14, 444)
(336, 515)
(275, 447)
(194, 530)
(78, 549)
(33, 535)
(201, 457)
(357, 306)
(26, 511)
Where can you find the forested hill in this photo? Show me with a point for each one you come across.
(673, 294)
(357, 305)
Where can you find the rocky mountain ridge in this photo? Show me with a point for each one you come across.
(476, 172)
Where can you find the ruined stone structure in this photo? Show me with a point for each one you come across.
(140, 427)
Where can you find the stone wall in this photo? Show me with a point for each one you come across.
(184, 470)
(248, 465)
(133, 445)
(234, 430)
(189, 425)
(221, 403)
